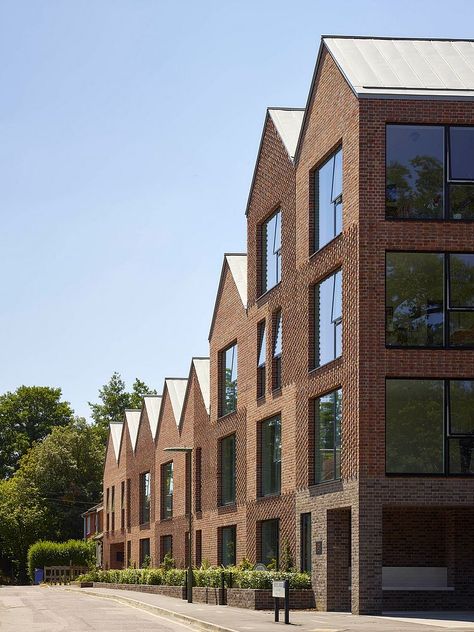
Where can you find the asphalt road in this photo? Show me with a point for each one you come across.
(41, 609)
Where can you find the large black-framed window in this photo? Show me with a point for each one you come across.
(305, 542)
(429, 172)
(228, 380)
(270, 239)
(270, 456)
(261, 358)
(327, 319)
(122, 505)
(277, 350)
(227, 545)
(144, 552)
(429, 299)
(227, 457)
(166, 546)
(167, 490)
(269, 549)
(327, 435)
(328, 200)
(429, 426)
(145, 497)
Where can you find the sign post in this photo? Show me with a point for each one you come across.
(281, 590)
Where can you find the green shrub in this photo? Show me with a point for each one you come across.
(168, 562)
(45, 553)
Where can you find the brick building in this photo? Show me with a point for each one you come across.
(334, 418)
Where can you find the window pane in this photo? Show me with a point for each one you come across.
(461, 201)
(229, 396)
(328, 314)
(166, 546)
(328, 436)
(271, 256)
(278, 336)
(328, 200)
(167, 487)
(461, 270)
(305, 543)
(414, 299)
(262, 350)
(461, 153)
(271, 456)
(414, 427)
(414, 171)
(228, 470)
(460, 455)
(461, 329)
(269, 542)
(461, 406)
(228, 543)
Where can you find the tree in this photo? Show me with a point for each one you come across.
(26, 416)
(115, 399)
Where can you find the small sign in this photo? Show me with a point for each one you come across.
(260, 567)
(278, 589)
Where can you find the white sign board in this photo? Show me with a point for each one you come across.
(278, 589)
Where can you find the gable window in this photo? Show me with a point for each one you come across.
(270, 456)
(429, 172)
(145, 498)
(328, 200)
(227, 470)
(277, 349)
(269, 552)
(261, 359)
(228, 380)
(271, 252)
(429, 299)
(429, 426)
(327, 432)
(328, 319)
(227, 541)
(167, 490)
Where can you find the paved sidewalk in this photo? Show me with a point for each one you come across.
(225, 619)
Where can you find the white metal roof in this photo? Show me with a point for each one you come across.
(202, 367)
(426, 68)
(133, 422)
(153, 405)
(177, 391)
(116, 432)
(238, 268)
(288, 124)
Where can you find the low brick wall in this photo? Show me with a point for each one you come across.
(208, 595)
(167, 591)
(261, 599)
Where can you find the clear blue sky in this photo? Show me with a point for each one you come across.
(128, 136)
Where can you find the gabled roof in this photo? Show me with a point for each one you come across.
(152, 404)
(403, 67)
(116, 433)
(237, 264)
(132, 417)
(177, 390)
(288, 125)
(202, 368)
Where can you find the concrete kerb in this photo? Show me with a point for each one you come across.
(169, 614)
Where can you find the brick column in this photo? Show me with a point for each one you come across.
(367, 529)
(319, 558)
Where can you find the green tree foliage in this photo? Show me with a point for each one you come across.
(114, 399)
(26, 416)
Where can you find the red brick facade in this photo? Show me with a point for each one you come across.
(366, 521)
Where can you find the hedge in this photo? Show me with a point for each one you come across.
(209, 577)
(45, 553)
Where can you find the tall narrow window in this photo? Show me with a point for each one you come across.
(145, 560)
(270, 456)
(228, 380)
(271, 252)
(269, 542)
(122, 505)
(305, 542)
(198, 480)
(327, 431)
(328, 319)
(129, 502)
(328, 200)
(277, 349)
(129, 554)
(107, 506)
(112, 508)
(145, 497)
(228, 541)
(198, 548)
(261, 359)
(167, 490)
(227, 468)
(166, 546)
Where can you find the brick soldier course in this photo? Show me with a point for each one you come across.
(376, 540)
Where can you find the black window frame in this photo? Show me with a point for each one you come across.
(164, 512)
(261, 365)
(222, 382)
(339, 200)
(447, 310)
(261, 524)
(277, 326)
(233, 530)
(263, 286)
(335, 322)
(446, 429)
(164, 550)
(141, 553)
(144, 499)
(315, 405)
(447, 180)
(306, 560)
(233, 482)
(277, 491)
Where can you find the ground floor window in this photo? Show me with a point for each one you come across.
(166, 546)
(327, 431)
(144, 552)
(269, 542)
(129, 553)
(305, 542)
(198, 548)
(227, 541)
